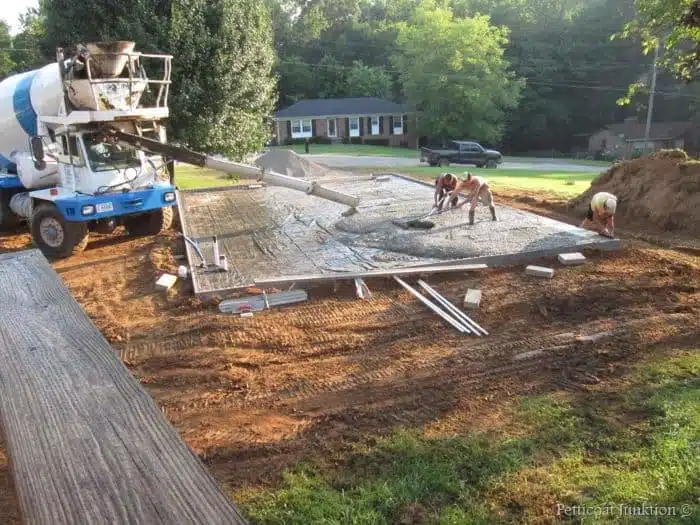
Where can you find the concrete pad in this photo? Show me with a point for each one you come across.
(570, 259)
(270, 232)
(540, 271)
(472, 299)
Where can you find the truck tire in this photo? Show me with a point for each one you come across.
(491, 164)
(8, 220)
(443, 162)
(54, 236)
(151, 223)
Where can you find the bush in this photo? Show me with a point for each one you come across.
(355, 140)
(377, 142)
(346, 140)
(312, 140)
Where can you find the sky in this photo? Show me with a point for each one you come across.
(11, 10)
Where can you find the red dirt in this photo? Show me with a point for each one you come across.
(254, 396)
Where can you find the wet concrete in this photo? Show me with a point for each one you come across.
(274, 232)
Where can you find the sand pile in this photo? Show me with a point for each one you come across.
(289, 163)
(662, 191)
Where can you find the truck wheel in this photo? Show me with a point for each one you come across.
(54, 236)
(151, 223)
(8, 220)
(443, 162)
(491, 164)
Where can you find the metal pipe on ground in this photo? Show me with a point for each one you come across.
(468, 321)
(435, 308)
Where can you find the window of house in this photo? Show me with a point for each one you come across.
(301, 129)
(331, 128)
(375, 125)
(397, 124)
(355, 127)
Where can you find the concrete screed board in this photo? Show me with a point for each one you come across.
(271, 232)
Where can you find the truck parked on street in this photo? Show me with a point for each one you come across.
(461, 152)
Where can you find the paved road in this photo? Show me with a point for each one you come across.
(352, 161)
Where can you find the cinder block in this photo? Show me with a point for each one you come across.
(472, 299)
(540, 271)
(166, 282)
(570, 259)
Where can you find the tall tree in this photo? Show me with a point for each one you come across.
(675, 24)
(453, 71)
(7, 65)
(223, 91)
(367, 81)
(27, 44)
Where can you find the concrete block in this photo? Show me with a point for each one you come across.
(166, 281)
(570, 259)
(472, 299)
(539, 271)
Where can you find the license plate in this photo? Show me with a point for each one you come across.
(104, 207)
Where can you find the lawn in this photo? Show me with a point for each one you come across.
(637, 446)
(191, 177)
(354, 150)
(562, 184)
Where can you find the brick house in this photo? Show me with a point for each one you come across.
(365, 120)
(624, 139)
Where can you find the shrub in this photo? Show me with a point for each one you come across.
(355, 140)
(377, 142)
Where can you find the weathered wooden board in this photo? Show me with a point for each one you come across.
(86, 442)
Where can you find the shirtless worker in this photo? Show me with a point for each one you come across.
(444, 184)
(601, 214)
(478, 189)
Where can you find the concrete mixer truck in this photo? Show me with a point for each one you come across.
(83, 149)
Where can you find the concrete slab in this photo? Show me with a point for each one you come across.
(268, 233)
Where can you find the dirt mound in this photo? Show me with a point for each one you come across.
(661, 191)
(289, 163)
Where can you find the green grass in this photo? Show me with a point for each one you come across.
(354, 149)
(563, 184)
(640, 445)
(192, 177)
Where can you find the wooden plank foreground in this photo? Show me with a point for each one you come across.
(87, 444)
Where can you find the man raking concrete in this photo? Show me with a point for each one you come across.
(478, 189)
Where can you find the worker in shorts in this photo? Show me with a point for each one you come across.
(444, 184)
(601, 214)
(478, 189)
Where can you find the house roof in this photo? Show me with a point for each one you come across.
(659, 130)
(335, 107)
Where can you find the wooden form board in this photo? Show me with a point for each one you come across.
(87, 444)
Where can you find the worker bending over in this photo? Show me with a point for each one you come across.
(478, 189)
(601, 214)
(444, 184)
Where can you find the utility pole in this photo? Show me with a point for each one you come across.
(652, 92)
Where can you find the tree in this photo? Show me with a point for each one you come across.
(367, 81)
(224, 91)
(7, 65)
(27, 44)
(454, 73)
(675, 24)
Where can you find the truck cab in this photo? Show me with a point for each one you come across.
(69, 175)
(461, 152)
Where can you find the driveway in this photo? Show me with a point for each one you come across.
(353, 161)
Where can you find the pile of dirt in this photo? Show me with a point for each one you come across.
(289, 163)
(662, 191)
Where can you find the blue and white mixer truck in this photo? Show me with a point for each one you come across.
(82, 149)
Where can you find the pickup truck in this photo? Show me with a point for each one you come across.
(461, 152)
